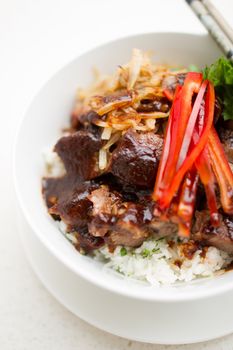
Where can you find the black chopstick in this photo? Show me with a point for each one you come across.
(219, 19)
(215, 24)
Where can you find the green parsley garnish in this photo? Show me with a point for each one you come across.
(156, 250)
(220, 74)
(123, 251)
(145, 253)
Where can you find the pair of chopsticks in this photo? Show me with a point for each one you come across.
(216, 25)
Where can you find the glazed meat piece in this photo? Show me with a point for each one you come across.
(67, 200)
(106, 205)
(82, 117)
(73, 205)
(79, 151)
(103, 104)
(54, 188)
(135, 160)
(163, 228)
(130, 229)
(226, 136)
(158, 104)
(220, 237)
(86, 242)
(171, 81)
(119, 222)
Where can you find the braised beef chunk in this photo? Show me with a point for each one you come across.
(158, 104)
(163, 228)
(73, 206)
(220, 237)
(126, 230)
(171, 81)
(226, 136)
(105, 208)
(106, 103)
(136, 158)
(130, 228)
(79, 153)
(128, 235)
(119, 222)
(83, 119)
(51, 189)
(87, 242)
(54, 188)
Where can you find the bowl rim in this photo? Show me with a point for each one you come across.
(183, 297)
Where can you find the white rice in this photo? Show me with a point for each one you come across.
(53, 164)
(155, 261)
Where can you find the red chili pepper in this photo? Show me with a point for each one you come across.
(192, 148)
(191, 85)
(166, 148)
(194, 116)
(177, 125)
(187, 202)
(207, 178)
(205, 171)
(195, 152)
(222, 171)
(182, 111)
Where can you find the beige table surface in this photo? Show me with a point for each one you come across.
(36, 39)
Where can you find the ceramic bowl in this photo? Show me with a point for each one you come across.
(184, 313)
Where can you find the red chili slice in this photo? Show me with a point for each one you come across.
(205, 171)
(166, 148)
(195, 152)
(177, 125)
(207, 178)
(187, 202)
(192, 149)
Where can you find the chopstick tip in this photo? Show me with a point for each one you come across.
(230, 54)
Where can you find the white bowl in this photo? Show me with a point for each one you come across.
(171, 315)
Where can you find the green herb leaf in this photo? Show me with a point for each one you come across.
(123, 251)
(220, 74)
(145, 253)
(156, 250)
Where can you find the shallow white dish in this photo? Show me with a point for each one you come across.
(171, 315)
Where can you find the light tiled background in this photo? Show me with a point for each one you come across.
(36, 39)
